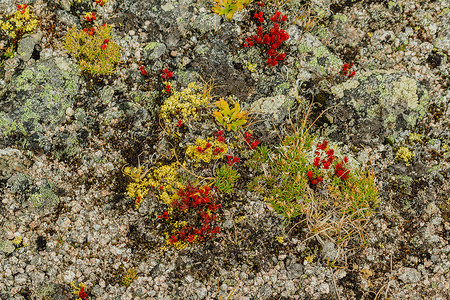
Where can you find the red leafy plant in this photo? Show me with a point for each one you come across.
(79, 290)
(346, 71)
(251, 141)
(273, 39)
(90, 17)
(23, 7)
(192, 215)
(220, 136)
(166, 74)
(143, 71)
(323, 161)
(232, 159)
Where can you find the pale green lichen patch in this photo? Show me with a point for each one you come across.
(338, 90)
(43, 92)
(44, 198)
(318, 58)
(386, 94)
(375, 104)
(7, 246)
(275, 106)
(340, 17)
(406, 90)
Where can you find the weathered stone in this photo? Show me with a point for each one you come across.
(43, 198)
(26, 47)
(443, 40)
(265, 292)
(38, 98)
(11, 162)
(154, 50)
(295, 270)
(408, 275)
(315, 57)
(376, 104)
(7, 246)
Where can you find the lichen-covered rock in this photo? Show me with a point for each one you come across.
(42, 198)
(443, 40)
(18, 183)
(206, 22)
(274, 108)
(26, 46)
(376, 104)
(37, 99)
(11, 162)
(315, 57)
(7, 247)
(154, 50)
(409, 275)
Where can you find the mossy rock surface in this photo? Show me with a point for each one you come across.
(375, 104)
(36, 98)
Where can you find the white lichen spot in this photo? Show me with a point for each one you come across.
(339, 90)
(406, 90)
(269, 105)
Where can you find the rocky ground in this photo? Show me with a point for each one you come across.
(65, 137)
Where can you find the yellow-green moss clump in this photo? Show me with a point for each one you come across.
(404, 154)
(228, 7)
(19, 23)
(206, 150)
(165, 179)
(184, 104)
(129, 277)
(139, 186)
(93, 49)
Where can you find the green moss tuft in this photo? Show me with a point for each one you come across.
(93, 54)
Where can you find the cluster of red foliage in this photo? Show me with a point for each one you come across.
(252, 141)
(340, 170)
(232, 159)
(347, 68)
(100, 2)
(166, 74)
(274, 39)
(89, 31)
(202, 205)
(91, 19)
(201, 150)
(22, 7)
(325, 163)
(220, 136)
(105, 44)
(259, 16)
(143, 71)
(83, 294)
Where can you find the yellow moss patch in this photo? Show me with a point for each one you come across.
(129, 277)
(404, 154)
(94, 50)
(206, 150)
(165, 179)
(19, 23)
(184, 104)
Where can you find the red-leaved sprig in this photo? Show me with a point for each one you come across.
(324, 161)
(347, 68)
(200, 204)
(82, 294)
(166, 74)
(273, 39)
(251, 141)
